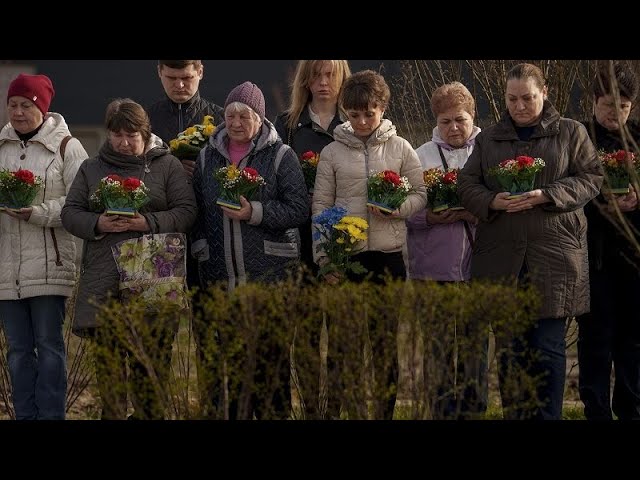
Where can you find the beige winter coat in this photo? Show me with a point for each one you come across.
(341, 179)
(38, 257)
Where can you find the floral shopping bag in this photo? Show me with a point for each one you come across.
(153, 267)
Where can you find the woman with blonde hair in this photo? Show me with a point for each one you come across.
(313, 114)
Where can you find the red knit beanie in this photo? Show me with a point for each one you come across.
(37, 88)
(249, 94)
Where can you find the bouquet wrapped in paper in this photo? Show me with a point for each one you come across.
(235, 182)
(309, 163)
(518, 175)
(340, 235)
(442, 189)
(387, 190)
(116, 195)
(187, 145)
(18, 189)
(617, 166)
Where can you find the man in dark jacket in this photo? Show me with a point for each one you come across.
(182, 106)
(610, 334)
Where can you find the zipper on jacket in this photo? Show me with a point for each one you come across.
(366, 193)
(181, 120)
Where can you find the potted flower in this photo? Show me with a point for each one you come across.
(309, 162)
(387, 190)
(616, 170)
(235, 182)
(187, 145)
(518, 175)
(116, 195)
(18, 189)
(442, 189)
(340, 235)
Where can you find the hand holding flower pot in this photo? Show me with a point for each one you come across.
(18, 189)
(116, 195)
(387, 190)
(234, 183)
(442, 189)
(518, 175)
(617, 166)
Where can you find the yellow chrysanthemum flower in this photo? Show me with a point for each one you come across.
(361, 223)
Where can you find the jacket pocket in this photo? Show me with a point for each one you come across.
(281, 249)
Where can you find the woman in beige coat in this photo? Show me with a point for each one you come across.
(365, 144)
(539, 236)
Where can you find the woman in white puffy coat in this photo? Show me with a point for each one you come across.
(365, 144)
(36, 253)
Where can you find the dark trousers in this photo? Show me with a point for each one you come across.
(532, 370)
(36, 356)
(610, 336)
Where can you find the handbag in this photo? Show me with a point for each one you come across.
(153, 267)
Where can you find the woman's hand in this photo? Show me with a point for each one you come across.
(447, 216)
(626, 203)
(23, 214)
(333, 278)
(526, 201)
(112, 224)
(138, 223)
(243, 214)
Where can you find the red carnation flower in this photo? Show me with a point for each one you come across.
(25, 176)
(391, 177)
(308, 155)
(620, 155)
(450, 177)
(130, 184)
(524, 161)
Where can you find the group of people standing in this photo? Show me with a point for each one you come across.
(539, 237)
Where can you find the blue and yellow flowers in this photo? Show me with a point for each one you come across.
(340, 234)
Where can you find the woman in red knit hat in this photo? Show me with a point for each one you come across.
(37, 254)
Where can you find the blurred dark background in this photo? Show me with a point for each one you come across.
(85, 87)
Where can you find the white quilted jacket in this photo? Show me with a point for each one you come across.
(38, 257)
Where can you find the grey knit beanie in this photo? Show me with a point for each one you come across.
(249, 94)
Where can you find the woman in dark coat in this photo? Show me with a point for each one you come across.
(131, 150)
(541, 235)
(259, 242)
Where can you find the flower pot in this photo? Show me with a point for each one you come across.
(228, 203)
(444, 199)
(616, 183)
(383, 208)
(516, 185)
(119, 206)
